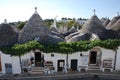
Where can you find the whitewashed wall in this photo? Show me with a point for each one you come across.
(106, 54)
(5, 59)
(14, 61)
(16, 65)
(27, 55)
(54, 59)
(118, 59)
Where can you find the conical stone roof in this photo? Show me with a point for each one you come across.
(93, 29)
(8, 36)
(106, 22)
(116, 26)
(53, 29)
(35, 29)
(113, 21)
(94, 25)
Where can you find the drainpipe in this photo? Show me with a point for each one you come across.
(115, 59)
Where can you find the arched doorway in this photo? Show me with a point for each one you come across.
(95, 56)
(39, 59)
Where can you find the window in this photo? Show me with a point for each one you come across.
(52, 55)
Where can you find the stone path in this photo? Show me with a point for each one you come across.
(89, 75)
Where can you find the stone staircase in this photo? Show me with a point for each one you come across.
(94, 68)
(37, 70)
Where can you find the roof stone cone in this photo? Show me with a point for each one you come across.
(113, 21)
(8, 36)
(106, 22)
(35, 27)
(93, 25)
(116, 26)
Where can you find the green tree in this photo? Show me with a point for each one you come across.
(70, 23)
(20, 25)
(48, 22)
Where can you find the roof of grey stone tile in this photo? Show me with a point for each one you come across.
(33, 28)
(8, 36)
(116, 26)
(93, 25)
(53, 29)
(36, 29)
(113, 21)
(76, 38)
(106, 22)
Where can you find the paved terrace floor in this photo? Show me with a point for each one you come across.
(73, 75)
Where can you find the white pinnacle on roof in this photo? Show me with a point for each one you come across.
(118, 14)
(94, 11)
(54, 24)
(5, 21)
(35, 10)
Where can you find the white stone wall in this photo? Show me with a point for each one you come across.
(118, 59)
(16, 65)
(5, 59)
(10, 60)
(107, 54)
(27, 55)
(54, 59)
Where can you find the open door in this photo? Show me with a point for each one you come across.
(93, 58)
(61, 64)
(39, 59)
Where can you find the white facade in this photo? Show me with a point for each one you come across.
(79, 58)
(118, 59)
(12, 64)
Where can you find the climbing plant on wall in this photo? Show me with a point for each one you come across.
(21, 49)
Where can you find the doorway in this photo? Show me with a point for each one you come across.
(74, 64)
(39, 59)
(93, 57)
(61, 64)
(8, 68)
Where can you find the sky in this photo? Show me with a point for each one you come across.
(22, 10)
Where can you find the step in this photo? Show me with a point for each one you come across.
(94, 67)
(38, 68)
(36, 72)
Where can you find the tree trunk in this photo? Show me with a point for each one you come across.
(67, 61)
(20, 64)
(115, 59)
